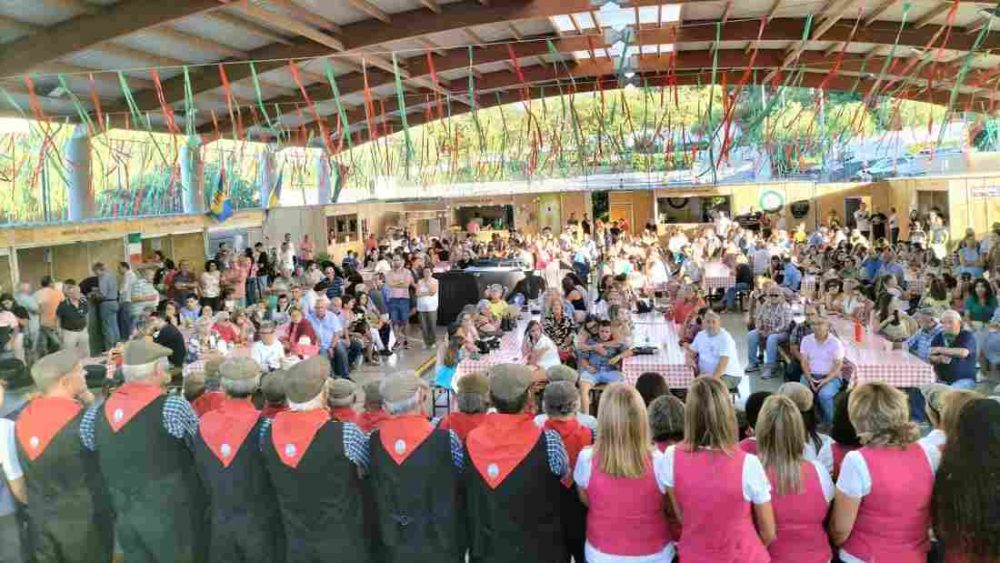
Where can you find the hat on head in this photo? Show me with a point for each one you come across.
(212, 366)
(272, 385)
(238, 369)
(373, 393)
(266, 327)
(560, 398)
(340, 392)
(474, 384)
(400, 387)
(932, 312)
(50, 369)
(305, 379)
(508, 382)
(560, 372)
(666, 416)
(140, 352)
(798, 393)
(934, 394)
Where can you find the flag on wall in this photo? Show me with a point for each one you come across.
(133, 248)
(338, 180)
(274, 199)
(222, 207)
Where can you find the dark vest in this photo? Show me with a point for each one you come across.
(69, 513)
(320, 500)
(245, 521)
(420, 510)
(157, 496)
(519, 520)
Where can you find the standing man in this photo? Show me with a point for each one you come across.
(245, 522)
(183, 283)
(416, 474)
(399, 280)
(69, 513)
(128, 279)
(822, 357)
(48, 299)
(862, 220)
(142, 438)
(107, 307)
(512, 480)
(953, 353)
(316, 465)
(72, 317)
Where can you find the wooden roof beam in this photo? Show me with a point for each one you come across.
(199, 42)
(878, 10)
(431, 5)
(830, 17)
(308, 16)
(432, 46)
(371, 9)
(929, 15)
(291, 25)
(247, 26)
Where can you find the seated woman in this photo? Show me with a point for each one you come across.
(935, 294)
(225, 329)
(298, 336)
(485, 322)
(280, 312)
(575, 295)
(538, 350)
(833, 295)
(688, 302)
(561, 329)
(890, 321)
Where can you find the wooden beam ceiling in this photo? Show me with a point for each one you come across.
(371, 9)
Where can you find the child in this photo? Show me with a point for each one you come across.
(373, 414)
(616, 480)
(802, 489)
(754, 403)
(473, 400)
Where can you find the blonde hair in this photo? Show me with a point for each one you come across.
(881, 415)
(951, 408)
(623, 442)
(781, 438)
(709, 418)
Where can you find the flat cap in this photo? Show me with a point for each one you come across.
(373, 392)
(340, 392)
(305, 379)
(666, 416)
(560, 398)
(934, 394)
(239, 369)
(266, 327)
(50, 369)
(474, 383)
(272, 385)
(141, 352)
(798, 393)
(562, 373)
(508, 382)
(400, 387)
(212, 366)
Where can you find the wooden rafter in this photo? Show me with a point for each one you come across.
(514, 32)
(879, 9)
(291, 25)
(17, 25)
(472, 35)
(144, 58)
(198, 42)
(831, 15)
(431, 5)
(928, 16)
(371, 9)
(774, 9)
(308, 16)
(434, 47)
(247, 26)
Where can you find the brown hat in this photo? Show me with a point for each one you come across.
(560, 372)
(141, 352)
(798, 393)
(238, 369)
(272, 385)
(305, 379)
(373, 393)
(400, 387)
(340, 392)
(560, 398)
(212, 366)
(50, 369)
(474, 383)
(509, 382)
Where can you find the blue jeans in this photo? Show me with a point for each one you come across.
(109, 323)
(771, 347)
(344, 354)
(600, 377)
(732, 291)
(825, 395)
(963, 384)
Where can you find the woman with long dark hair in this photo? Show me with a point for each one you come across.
(936, 295)
(966, 490)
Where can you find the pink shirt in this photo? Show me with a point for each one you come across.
(402, 292)
(821, 355)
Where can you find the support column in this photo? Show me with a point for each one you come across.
(80, 190)
(323, 177)
(266, 177)
(192, 178)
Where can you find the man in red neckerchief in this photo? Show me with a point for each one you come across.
(245, 523)
(143, 439)
(513, 485)
(473, 400)
(561, 401)
(415, 479)
(316, 465)
(272, 390)
(69, 515)
(340, 395)
(211, 397)
(373, 415)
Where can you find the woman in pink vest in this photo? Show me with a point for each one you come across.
(626, 517)
(713, 484)
(966, 491)
(802, 489)
(882, 510)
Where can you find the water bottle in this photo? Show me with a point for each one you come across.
(859, 331)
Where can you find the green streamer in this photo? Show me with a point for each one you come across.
(189, 109)
(129, 100)
(401, 102)
(473, 105)
(345, 127)
(77, 105)
(964, 71)
(892, 53)
(260, 99)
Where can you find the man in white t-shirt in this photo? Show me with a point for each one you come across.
(822, 357)
(713, 352)
(268, 352)
(862, 220)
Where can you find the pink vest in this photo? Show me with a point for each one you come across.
(626, 516)
(801, 536)
(894, 517)
(839, 452)
(718, 524)
(749, 445)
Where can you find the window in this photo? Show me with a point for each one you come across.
(343, 228)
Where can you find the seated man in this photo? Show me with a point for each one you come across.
(953, 353)
(771, 321)
(599, 362)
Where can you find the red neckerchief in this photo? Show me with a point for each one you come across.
(292, 433)
(127, 401)
(500, 444)
(344, 414)
(370, 420)
(402, 435)
(225, 428)
(207, 402)
(41, 420)
(462, 423)
(271, 411)
(575, 436)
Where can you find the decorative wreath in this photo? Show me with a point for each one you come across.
(771, 201)
(677, 202)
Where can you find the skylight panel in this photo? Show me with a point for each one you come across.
(670, 13)
(562, 23)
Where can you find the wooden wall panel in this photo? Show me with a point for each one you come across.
(188, 246)
(6, 280)
(32, 265)
(71, 261)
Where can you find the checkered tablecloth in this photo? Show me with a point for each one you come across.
(508, 353)
(809, 283)
(711, 283)
(873, 359)
(670, 361)
(914, 283)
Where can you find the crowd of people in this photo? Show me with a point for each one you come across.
(270, 451)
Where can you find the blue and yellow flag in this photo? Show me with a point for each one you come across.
(274, 199)
(222, 207)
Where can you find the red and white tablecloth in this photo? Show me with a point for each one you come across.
(874, 359)
(914, 283)
(508, 353)
(808, 284)
(670, 361)
(711, 283)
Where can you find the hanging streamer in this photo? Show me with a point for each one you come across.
(401, 103)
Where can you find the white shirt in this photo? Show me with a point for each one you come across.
(936, 438)
(821, 356)
(825, 454)
(10, 465)
(756, 487)
(125, 289)
(856, 482)
(550, 356)
(761, 260)
(581, 476)
(711, 350)
(383, 267)
(269, 357)
(427, 303)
